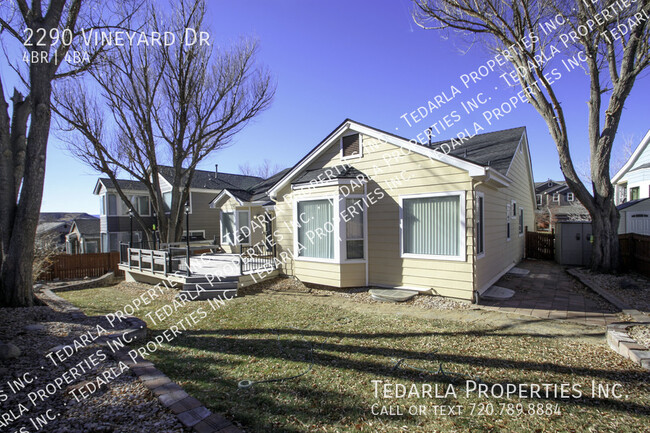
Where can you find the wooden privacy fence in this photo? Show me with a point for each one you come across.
(635, 252)
(72, 266)
(540, 245)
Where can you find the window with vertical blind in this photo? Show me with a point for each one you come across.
(433, 225)
(315, 223)
(354, 229)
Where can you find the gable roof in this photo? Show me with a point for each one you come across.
(258, 193)
(86, 226)
(492, 149)
(558, 186)
(126, 184)
(506, 153)
(635, 156)
(631, 203)
(204, 179)
(336, 172)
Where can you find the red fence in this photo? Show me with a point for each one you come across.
(635, 252)
(67, 266)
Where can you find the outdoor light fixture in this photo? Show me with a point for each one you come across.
(155, 228)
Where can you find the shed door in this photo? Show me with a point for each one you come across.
(638, 222)
(572, 246)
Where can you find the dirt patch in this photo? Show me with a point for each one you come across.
(632, 289)
(360, 294)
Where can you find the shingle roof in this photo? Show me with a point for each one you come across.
(124, 184)
(204, 179)
(630, 203)
(87, 226)
(492, 149)
(329, 173)
(641, 167)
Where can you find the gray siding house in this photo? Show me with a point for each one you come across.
(115, 222)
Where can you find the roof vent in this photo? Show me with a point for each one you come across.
(216, 170)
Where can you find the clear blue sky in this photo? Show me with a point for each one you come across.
(365, 60)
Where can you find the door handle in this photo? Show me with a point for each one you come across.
(577, 236)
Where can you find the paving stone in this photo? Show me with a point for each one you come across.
(645, 363)
(167, 388)
(637, 355)
(188, 403)
(194, 416)
(172, 397)
(155, 383)
(213, 423)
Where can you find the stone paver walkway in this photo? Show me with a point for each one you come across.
(548, 292)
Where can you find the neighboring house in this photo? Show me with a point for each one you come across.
(635, 217)
(554, 202)
(369, 208)
(54, 226)
(632, 182)
(84, 236)
(115, 223)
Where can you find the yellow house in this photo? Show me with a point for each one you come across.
(369, 208)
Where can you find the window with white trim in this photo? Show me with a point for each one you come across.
(539, 200)
(111, 204)
(141, 204)
(521, 221)
(354, 229)
(570, 196)
(102, 205)
(228, 228)
(351, 146)
(480, 224)
(315, 226)
(167, 200)
(433, 225)
(556, 197)
(242, 222)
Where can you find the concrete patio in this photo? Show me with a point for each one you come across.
(548, 292)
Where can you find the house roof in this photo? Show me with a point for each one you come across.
(558, 186)
(258, 193)
(492, 149)
(87, 226)
(631, 203)
(61, 216)
(204, 179)
(125, 184)
(499, 160)
(55, 226)
(635, 156)
(641, 167)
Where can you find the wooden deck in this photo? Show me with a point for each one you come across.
(212, 275)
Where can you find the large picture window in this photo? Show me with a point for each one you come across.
(315, 225)
(243, 220)
(433, 225)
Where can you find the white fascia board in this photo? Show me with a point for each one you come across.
(473, 169)
(98, 186)
(492, 174)
(222, 194)
(639, 150)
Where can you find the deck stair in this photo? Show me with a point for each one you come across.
(202, 287)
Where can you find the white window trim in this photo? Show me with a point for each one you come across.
(570, 196)
(238, 227)
(137, 198)
(463, 227)
(336, 203)
(221, 238)
(520, 220)
(539, 200)
(359, 155)
(344, 234)
(481, 254)
(556, 195)
(195, 231)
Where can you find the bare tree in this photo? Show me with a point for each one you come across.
(612, 60)
(158, 104)
(44, 35)
(264, 170)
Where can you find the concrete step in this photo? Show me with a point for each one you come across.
(210, 294)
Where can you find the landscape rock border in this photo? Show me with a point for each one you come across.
(108, 279)
(619, 340)
(189, 411)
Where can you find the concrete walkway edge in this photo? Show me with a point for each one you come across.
(621, 342)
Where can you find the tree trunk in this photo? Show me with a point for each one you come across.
(604, 226)
(16, 285)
